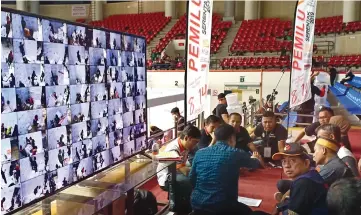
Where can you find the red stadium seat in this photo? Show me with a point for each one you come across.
(146, 24)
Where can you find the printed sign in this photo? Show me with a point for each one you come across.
(241, 79)
(198, 55)
(78, 10)
(302, 52)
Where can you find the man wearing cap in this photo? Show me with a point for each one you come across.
(307, 190)
(221, 108)
(326, 148)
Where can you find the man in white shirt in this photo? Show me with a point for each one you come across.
(187, 140)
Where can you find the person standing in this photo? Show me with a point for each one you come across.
(178, 119)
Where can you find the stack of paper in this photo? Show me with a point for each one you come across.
(250, 202)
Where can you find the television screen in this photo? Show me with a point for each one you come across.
(73, 102)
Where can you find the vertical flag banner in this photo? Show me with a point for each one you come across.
(198, 53)
(305, 16)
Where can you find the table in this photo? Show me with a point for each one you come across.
(108, 192)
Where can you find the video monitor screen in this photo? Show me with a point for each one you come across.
(73, 102)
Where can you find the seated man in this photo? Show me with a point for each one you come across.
(243, 140)
(343, 197)
(307, 190)
(344, 153)
(273, 135)
(326, 148)
(214, 175)
(187, 140)
(221, 108)
(211, 123)
(324, 116)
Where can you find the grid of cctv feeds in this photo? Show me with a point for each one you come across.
(73, 101)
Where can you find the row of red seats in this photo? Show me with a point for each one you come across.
(353, 27)
(146, 24)
(346, 60)
(219, 32)
(267, 46)
(257, 35)
(284, 61)
(264, 30)
(255, 62)
(153, 65)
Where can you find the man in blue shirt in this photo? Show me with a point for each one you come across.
(215, 172)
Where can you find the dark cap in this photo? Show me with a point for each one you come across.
(221, 96)
(291, 149)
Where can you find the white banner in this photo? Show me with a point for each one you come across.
(302, 52)
(198, 55)
(78, 10)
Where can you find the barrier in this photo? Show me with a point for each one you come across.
(349, 98)
(356, 82)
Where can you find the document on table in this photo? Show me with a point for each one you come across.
(249, 201)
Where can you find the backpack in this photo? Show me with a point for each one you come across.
(145, 203)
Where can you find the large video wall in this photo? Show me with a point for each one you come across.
(73, 101)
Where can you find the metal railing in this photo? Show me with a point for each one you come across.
(329, 44)
(251, 116)
(166, 136)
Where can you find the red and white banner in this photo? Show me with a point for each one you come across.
(305, 18)
(198, 55)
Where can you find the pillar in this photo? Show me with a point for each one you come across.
(251, 10)
(97, 10)
(350, 10)
(34, 6)
(169, 8)
(21, 5)
(229, 10)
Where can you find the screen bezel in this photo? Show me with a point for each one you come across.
(9, 10)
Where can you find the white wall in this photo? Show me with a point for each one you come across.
(217, 80)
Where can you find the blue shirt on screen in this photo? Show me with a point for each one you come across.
(214, 176)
